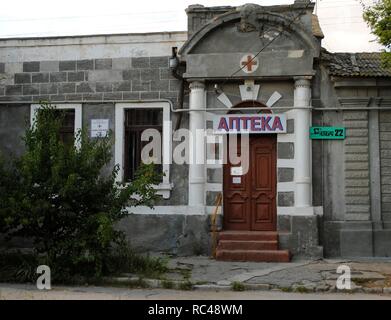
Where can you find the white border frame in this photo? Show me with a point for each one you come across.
(163, 189)
(78, 113)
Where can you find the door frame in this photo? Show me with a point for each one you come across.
(226, 174)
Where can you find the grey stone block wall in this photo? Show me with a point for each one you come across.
(14, 120)
(285, 150)
(385, 163)
(356, 162)
(175, 234)
(86, 80)
(285, 174)
(299, 234)
(89, 79)
(286, 199)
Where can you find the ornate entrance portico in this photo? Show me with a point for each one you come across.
(227, 63)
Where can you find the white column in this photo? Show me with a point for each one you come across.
(197, 145)
(302, 100)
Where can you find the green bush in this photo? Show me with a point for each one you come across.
(57, 195)
(18, 267)
(186, 285)
(125, 260)
(237, 286)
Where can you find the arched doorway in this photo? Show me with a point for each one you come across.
(249, 198)
(249, 104)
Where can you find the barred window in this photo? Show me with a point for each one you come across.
(67, 130)
(136, 121)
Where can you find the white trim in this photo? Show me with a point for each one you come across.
(217, 187)
(273, 99)
(214, 165)
(299, 211)
(285, 211)
(287, 138)
(249, 90)
(286, 186)
(286, 163)
(78, 114)
(167, 210)
(189, 210)
(225, 100)
(165, 187)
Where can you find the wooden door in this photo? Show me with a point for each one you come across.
(250, 199)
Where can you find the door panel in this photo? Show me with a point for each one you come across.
(250, 199)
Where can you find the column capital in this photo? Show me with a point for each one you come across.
(197, 85)
(303, 81)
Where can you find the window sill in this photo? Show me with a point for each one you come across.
(164, 189)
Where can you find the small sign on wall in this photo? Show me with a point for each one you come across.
(236, 171)
(327, 133)
(236, 180)
(99, 127)
(249, 123)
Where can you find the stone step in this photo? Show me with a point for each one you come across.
(249, 235)
(247, 245)
(253, 255)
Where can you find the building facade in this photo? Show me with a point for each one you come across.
(261, 68)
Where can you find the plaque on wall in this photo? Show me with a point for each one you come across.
(99, 127)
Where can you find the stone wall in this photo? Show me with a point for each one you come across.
(137, 78)
(175, 234)
(385, 163)
(356, 156)
(354, 179)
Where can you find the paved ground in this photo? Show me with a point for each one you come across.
(368, 275)
(29, 292)
(211, 279)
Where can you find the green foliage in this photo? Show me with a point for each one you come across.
(186, 285)
(378, 17)
(168, 284)
(125, 260)
(57, 195)
(18, 267)
(302, 289)
(237, 286)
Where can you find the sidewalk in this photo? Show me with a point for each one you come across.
(203, 273)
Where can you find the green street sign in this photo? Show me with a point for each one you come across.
(330, 133)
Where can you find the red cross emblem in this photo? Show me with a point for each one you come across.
(249, 63)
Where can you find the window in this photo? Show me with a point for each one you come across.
(67, 130)
(72, 121)
(131, 119)
(136, 121)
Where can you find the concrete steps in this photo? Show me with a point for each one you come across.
(247, 245)
(257, 246)
(249, 235)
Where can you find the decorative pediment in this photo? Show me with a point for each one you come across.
(216, 49)
(248, 18)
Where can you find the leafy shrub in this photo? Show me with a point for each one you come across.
(57, 195)
(168, 284)
(237, 286)
(186, 285)
(18, 267)
(126, 260)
